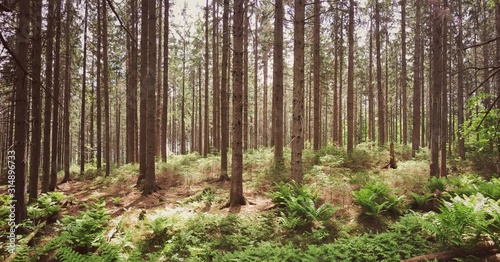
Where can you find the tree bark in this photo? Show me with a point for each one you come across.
(21, 115)
(48, 99)
(215, 72)
(36, 100)
(206, 131)
(316, 74)
(298, 91)
(224, 92)
(350, 80)
(380, 92)
(437, 63)
(403, 73)
(55, 112)
(236, 195)
(164, 116)
(416, 82)
(67, 91)
(107, 143)
(149, 176)
(278, 84)
(84, 94)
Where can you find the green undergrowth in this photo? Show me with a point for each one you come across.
(349, 208)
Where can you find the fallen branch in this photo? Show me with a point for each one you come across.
(26, 240)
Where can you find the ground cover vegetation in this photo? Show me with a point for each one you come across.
(349, 208)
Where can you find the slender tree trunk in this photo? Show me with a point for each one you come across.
(143, 91)
(416, 82)
(159, 86)
(55, 112)
(36, 133)
(206, 146)
(67, 91)
(149, 176)
(341, 73)
(164, 116)
(444, 96)
(403, 72)
(265, 127)
(371, 99)
(336, 112)
(224, 92)
(316, 73)
(437, 62)
(18, 156)
(236, 195)
(107, 145)
(215, 68)
(298, 91)
(200, 118)
(48, 98)
(350, 81)
(84, 79)
(256, 83)
(278, 84)
(183, 99)
(98, 89)
(380, 92)
(245, 77)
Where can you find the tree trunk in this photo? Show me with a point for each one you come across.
(183, 99)
(98, 89)
(67, 91)
(444, 96)
(159, 86)
(216, 87)
(350, 81)
(149, 176)
(245, 77)
(143, 91)
(36, 100)
(224, 92)
(164, 116)
(415, 144)
(265, 127)
(17, 157)
(55, 112)
(403, 72)
(48, 98)
(84, 79)
(316, 73)
(298, 91)
(206, 131)
(371, 98)
(256, 83)
(107, 145)
(236, 195)
(380, 92)
(278, 84)
(437, 63)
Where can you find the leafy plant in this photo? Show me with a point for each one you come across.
(300, 206)
(420, 200)
(466, 220)
(46, 205)
(376, 197)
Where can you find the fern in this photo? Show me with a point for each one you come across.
(376, 198)
(299, 206)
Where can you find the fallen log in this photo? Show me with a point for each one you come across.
(479, 251)
(26, 240)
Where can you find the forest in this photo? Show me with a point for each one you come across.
(247, 130)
